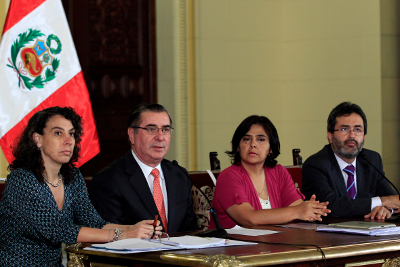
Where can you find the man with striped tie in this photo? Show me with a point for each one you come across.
(348, 176)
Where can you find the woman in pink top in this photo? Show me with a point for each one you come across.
(255, 190)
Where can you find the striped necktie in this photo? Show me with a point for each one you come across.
(158, 198)
(351, 188)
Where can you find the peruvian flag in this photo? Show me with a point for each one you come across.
(39, 68)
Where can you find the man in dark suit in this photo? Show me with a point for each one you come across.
(356, 190)
(142, 183)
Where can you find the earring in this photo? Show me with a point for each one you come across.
(38, 148)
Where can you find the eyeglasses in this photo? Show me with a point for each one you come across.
(346, 130)
(159, 236)
(153, 130)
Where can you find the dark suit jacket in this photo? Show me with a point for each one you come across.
(121, 194)
(322, 176)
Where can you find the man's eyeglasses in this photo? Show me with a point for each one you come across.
(347, 130)
(153, 130)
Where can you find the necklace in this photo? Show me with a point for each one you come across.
(59, 180)
(259, 193)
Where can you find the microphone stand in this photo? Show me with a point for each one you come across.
(361, 154)
(365, 158)
(219, 232)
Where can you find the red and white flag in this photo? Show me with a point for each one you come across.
(39, 68)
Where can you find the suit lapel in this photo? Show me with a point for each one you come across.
(362, 175)
(139, 182)
(170, 183)
(337, 173)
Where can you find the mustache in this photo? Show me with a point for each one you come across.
(351, 140)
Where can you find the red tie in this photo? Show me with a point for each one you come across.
(158, 198)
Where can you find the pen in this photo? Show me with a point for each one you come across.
(155, 224)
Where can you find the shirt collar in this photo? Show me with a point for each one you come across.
(146, 169)
(343, 164)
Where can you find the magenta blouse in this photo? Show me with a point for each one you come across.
(234, 186)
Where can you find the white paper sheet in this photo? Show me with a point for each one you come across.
(237, 230)
(135, 245)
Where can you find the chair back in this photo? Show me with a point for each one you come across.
(295, 172)
(201, 206)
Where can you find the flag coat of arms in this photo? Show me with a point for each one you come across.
(39, 68)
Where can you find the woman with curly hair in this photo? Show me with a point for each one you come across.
(45, 201)
(256, 190)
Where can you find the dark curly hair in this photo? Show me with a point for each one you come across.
(28, 156)
(244, 127)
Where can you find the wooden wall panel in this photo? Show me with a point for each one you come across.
(115, 42)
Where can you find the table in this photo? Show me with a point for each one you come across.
(339, 249)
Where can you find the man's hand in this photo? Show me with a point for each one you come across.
(392, 202)
(379, 213)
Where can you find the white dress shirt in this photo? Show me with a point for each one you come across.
(150, 179)
(376, 201)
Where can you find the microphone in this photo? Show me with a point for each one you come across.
(219, 232)
(361, 154)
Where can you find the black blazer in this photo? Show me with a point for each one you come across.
(121, 194)
(322, 176)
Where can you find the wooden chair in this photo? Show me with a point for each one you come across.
(201, 206)
(295, 172)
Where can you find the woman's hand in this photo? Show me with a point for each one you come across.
(142, 229)
(312, 210)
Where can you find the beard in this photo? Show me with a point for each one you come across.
(341, 150)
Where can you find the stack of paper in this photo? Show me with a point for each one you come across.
(190, 242)
(359, 231)
(134, 245)
(238, 230)
(131, 245)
